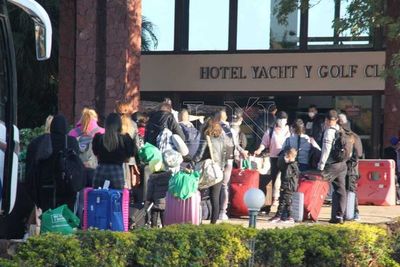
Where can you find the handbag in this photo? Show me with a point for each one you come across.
(211, 172)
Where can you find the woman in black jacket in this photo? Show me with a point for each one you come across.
(43, 166)
(219, 149)
(112, 149)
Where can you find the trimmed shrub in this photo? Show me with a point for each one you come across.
(51, 250)
(187, 245)
(324, 245)
(212, 245)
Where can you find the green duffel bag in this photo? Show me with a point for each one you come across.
(184, 184)
(59, 220)
(149, 152)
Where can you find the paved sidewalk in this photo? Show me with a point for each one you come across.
(369, 214)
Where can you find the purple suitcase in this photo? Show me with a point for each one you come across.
(179, 211)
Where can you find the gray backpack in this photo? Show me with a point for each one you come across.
(85, 148)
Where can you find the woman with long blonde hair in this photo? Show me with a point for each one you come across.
(131, 171)
(85, 130)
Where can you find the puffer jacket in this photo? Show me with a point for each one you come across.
(157, 188)
(157, 122)
(220, 152)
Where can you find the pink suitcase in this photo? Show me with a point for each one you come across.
(377, 184)
(125, 208)
(179, 211)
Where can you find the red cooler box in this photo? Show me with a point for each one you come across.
(377, 184)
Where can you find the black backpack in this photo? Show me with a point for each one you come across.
(342, 146)
(71, 178)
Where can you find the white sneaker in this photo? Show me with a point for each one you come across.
(223, 217)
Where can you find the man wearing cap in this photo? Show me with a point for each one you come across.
(332, 170)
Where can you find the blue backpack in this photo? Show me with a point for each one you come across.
(192, 138)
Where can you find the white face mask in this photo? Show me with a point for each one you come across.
(281, 122)
(311, 114)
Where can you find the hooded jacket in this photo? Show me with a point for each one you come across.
(42, 165)
(157, 189)
(157, 122)
(92, 126)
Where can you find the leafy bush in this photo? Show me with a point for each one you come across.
(106, 248)
(52, 250)
(26, 136)
(322, 245)
(212, 245)
(208, 245)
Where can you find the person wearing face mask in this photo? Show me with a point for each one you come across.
(315, 125)
(273, 140)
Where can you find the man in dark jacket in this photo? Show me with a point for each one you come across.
(314, 124)
(352, 175)
(43, 166)
(158, 121)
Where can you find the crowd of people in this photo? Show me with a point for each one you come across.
(111, 154)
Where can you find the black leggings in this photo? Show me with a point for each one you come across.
(154, 217)
(215, 192)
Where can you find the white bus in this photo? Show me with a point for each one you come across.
(9, 134)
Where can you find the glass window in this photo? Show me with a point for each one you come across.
(320, 22)
(363, 39)
(253, 27)
(208, 24)
(359, 113)
(162, 15)
(284, 36)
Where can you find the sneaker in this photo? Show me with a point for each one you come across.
(275, 219)
(336, 220)
(357, 217)
(223, 217)
(289, 220)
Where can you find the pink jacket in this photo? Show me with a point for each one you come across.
(278, 139)
(92, 125)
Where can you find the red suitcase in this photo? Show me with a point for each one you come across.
(377, 184)
(315, 190)
(241, 181)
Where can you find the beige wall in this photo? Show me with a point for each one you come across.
(183, 72)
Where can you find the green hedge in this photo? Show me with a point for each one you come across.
(212, 245)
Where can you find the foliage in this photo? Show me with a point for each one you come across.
(7, 263)
(149, 38)
(321, 245)
(26, 136)
(213, 245)
(52, 250)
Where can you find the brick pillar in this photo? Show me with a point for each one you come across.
(99, 54)
(66, 66)
(392, 94)
(86, 45)
(123, 51)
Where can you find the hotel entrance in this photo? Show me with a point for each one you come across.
(349, 83)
